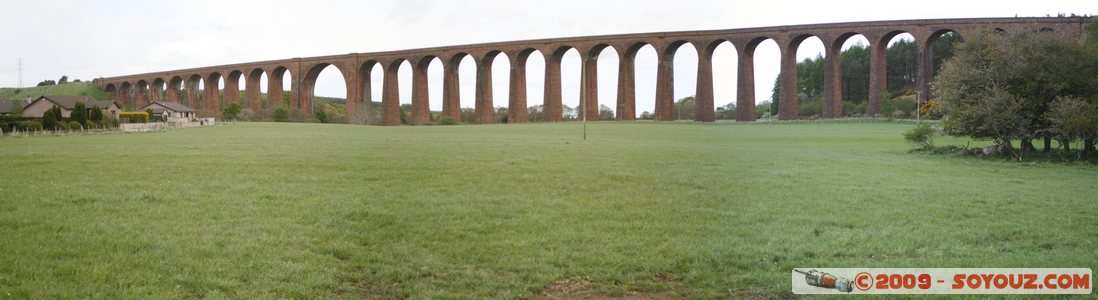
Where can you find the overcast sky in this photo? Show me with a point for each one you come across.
(88, 39)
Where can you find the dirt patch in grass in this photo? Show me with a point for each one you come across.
(580, 289)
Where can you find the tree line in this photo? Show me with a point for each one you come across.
(902, 58)
(1017, 87)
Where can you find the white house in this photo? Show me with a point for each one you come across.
(171, 111)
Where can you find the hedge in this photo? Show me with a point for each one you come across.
(134, 117)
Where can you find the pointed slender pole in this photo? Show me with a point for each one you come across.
(583, 98)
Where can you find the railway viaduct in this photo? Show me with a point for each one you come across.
(183, 85)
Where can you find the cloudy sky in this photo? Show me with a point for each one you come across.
(88, 39)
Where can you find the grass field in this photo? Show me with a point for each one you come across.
(271, 210)
(69, 89)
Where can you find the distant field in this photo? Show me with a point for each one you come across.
(272, 210)
(70, 89)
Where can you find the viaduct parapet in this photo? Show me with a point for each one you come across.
(356, 68)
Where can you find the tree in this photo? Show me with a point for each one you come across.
(468, 115)
(536, 113)
(47, 82)
(51, 118)
(79, 113)
(281, 114)
(64, 79)
(605, 113)
(569, 113)
(502, 114)
(321, 116)
(1073, 118)
(232, 112)
(96, 114)
(684, 108)
(645, 115)
(17, 108)
(999, 85)
(726, 112)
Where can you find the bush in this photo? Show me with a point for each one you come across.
(810, 108)
(446, 120)
(75, 125)
(281, 115)
(922, 136)
(32, 125)
(231, 112)
(134, 117)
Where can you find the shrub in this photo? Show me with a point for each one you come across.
(231, 112)
(134, 117)
(446, 120)
(49, 121)
(281, 115)
(32, 125)
(79, 113)
(922, 136)
(75, 125)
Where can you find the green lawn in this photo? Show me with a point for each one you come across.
(266, 210)
(69, 89)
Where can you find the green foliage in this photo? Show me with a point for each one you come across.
(64, 79)
(921, 136)
(536, 113)
(684, 108)
(645, 115)
(855, 62)
(605, 113)
(74, 125)
(71, 89)
(32, 125)
(134, 117)
(504, 212)
(17, 108)
(811, 108)
(726, 112)
(231, 111)
(96, 114)
(1000, 86)
(501, 115)
(79, 113)
(446, 120)
(52, 118)
(281, 114)
(321, 116)
(1072, 118)
(468, 115)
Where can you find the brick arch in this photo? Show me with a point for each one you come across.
(252, 88)
(308, 84)
(157, 90)
(190, 89)
(232, 86)
(589, 88)
(783, 35)
(421, 110)
(517, 110)
(173, 89)
(125, 92)
(212, 87)
(665, 79)
(276, 86)
(553, 104)
(704, 94)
